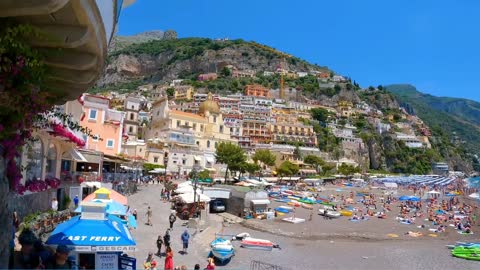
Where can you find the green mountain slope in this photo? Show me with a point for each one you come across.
(459, 119)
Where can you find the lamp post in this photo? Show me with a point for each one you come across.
(195, 170)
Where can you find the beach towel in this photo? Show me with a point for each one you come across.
(392, 235)
(406, 222)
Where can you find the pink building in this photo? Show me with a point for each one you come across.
(105, 124)
(207, 77)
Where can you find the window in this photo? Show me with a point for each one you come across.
(214, 119)
(93, 114)
(133, 107)
(194, 127)
(231, 130)
(110, 143)
(184, 161)
(178, 123)
(130, 129)
(140, 150)
(131, 116)
(216, 144)
(221, 128)
(186, 123)
(198, 143)
(208, 144)
(155, 159)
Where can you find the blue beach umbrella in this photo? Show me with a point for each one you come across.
(103, 235)
(414, 199)
(404, 198)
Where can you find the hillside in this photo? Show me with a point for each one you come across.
(458, 119)
(165, 59)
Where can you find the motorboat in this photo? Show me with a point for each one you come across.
(222, 249)
(254, 243)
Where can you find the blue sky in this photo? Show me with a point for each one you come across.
(434, 45)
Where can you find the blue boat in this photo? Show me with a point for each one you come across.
(222, 249)
(282, 210)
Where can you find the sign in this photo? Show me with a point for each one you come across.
(127, 263)
(106, 261)
(113, 248)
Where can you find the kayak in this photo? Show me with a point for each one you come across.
(282, 210)
(282, 200)
(327, 203)
(346, 213)
(306, 201)
(296, 204)
(469, 253)
(333, 214)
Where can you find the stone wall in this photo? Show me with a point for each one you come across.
(31, 203)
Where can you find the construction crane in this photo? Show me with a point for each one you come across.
(282, 79)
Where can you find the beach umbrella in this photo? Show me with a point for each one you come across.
(103, 234)
(113, 207)
(450, 194)
(414, 199)
(404, 198)
(474, 196)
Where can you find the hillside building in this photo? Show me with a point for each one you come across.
(257, 91)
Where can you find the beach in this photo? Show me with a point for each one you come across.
(317, 244)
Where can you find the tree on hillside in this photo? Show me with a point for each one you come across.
(319, 114)
(287, 168)
(315, 161)
(346, 169)
(170, 92)
(231, 155)
(226, 72)
(264, 156)
(327, 168)
(251, 168)
(296, 153)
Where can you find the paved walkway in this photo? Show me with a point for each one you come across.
(146, 236)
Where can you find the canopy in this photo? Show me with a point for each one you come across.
(390, 185)
(113, 207)
(184, 189)
(91, 184)
(189, 198)
(433, 192)
(260, 201)
(93, 235)
(113, 195)
(474, 196)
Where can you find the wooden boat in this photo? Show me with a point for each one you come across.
(254, 243)
(222, 249)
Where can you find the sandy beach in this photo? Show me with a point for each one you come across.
(317, 244)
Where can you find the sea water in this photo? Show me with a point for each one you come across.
(474, 182)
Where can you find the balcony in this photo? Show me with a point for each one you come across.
(78, 32)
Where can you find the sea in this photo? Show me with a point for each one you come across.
(474, 182)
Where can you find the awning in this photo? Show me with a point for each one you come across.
(92, 157)
(197, 158)
(91, 184)
(97, 235)
(184, 189)
(113, 196)
(260, 201)
(211, 169)
(189, 198)
(210, 159)
(113, 207)
(77, 156)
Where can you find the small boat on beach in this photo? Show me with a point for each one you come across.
(307, 206)
(329, 213)
(469, 253)
(346, 213)
(254, 243)
(222, 249)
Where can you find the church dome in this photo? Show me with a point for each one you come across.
(209, 105)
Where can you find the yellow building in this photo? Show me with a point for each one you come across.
(184, 92)
(285, 132)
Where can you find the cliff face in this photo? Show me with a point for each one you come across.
(157, 60)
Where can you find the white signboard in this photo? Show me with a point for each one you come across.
(106, 261)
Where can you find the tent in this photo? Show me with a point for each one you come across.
(409, 198)
(93, 235)
(474, 195)
(433, 192)
(189, 197)
(113, 207)
(107, 194)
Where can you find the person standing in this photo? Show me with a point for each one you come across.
(185, 238)
(134, 214)
(54, 204)
(149, 216)
(166, 238)
(172, 218)
(169, 259)
(159, 245)
(60, 260)
(211, 264)
(75, 201)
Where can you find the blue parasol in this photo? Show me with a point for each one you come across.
(101, 235)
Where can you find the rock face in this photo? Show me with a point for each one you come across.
(172, 63)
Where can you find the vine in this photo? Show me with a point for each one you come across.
(25, 101)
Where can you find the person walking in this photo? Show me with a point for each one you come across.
(185, 238)
(134, 214)
(75, 201)
(159, 245)
(166, 238)
(172, 218)
(149, 216)
(169, 259)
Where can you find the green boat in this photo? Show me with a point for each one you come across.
(469, 253)
(327, 203)
(307, 201)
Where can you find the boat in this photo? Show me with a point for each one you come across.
(463, 244)
(346, 213)
(254, 243)
(307, 206)
(469, 253)
(282, 200)
(282, 210)
(308, 201)
(222, 249)
(294, 203)
(333, 214)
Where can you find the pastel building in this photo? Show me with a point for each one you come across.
(257, 91)
(105, 124)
